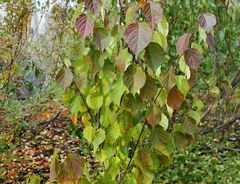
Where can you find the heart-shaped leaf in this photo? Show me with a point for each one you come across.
(134, 78)
(94, 6)
(137, 36)
(154, 115)
(155, 55)
(175, 99)
(85, 25)
(193, 58)
(159, 138)
(149, 89)
(207, 21)
(153, 13)
(64, 77)
(101, 38)
(182, 43)
(168, 79)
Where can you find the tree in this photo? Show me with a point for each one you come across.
(132, 101)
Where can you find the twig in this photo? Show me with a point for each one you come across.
(133, 153)
(229, 123)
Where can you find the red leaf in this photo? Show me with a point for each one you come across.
(175, 99)
(138, 36)
(182, 43)
(85, 25)
(193, 58)
(153, 13)
(94, 6)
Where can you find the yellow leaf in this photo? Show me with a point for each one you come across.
(74, 117)
(141, 3)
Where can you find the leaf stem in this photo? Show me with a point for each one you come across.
(134, 150)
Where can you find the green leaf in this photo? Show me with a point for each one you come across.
(160, 39)
(113, 133)
(168, 79)
(77, 105)
(180, 140)
(34, 180)
(67, 97)
(190, 126)
(101, 156)
(117, 91)
(144, 177)
(154, 115)
(150, 88)
(143, 159)
(164, 122)
(94, 100)
(54, 166)
(81, 81)
(64, 78)
(130, 15)
(98, 138)
(134, 78)
(159, 138)
(155, 56)
(182, 84)
(88, 133)
(195, 115)
(199, 104)
(107, 116)
(101, 39)
(163, 26)
(125, 120)
(129, 179)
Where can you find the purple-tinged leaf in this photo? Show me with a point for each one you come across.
(153, 13)
(64, 78)
(85, 25)
(210, 41)
(101, 38)
(182, 43)
(207, 21)
(94, 6)
(193, 58)
(138, 36)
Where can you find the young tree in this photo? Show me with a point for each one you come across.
(132, 102)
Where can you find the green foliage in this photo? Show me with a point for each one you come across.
(126, 86)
